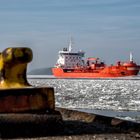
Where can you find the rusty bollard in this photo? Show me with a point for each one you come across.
(20, 101)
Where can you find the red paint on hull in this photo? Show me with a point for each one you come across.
(107, 72)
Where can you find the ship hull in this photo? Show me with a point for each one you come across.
(108, 72)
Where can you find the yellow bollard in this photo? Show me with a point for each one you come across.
(13, 66)
(17, 95)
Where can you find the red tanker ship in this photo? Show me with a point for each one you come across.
(72, 65)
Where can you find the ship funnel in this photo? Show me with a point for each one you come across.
(131, 57)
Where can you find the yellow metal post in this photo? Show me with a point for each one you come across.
(13, 66)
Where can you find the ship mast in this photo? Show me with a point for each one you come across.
(131, 57)
(70, 45)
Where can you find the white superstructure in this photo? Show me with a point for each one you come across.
(67, 59)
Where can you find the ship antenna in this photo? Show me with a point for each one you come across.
(131, 57)
(70, 45)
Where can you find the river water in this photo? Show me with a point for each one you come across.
(118, 97)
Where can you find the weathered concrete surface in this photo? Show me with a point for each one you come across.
(76, 125)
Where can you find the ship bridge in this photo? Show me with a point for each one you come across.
(68, 59)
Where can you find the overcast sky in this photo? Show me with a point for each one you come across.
(108, 29)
